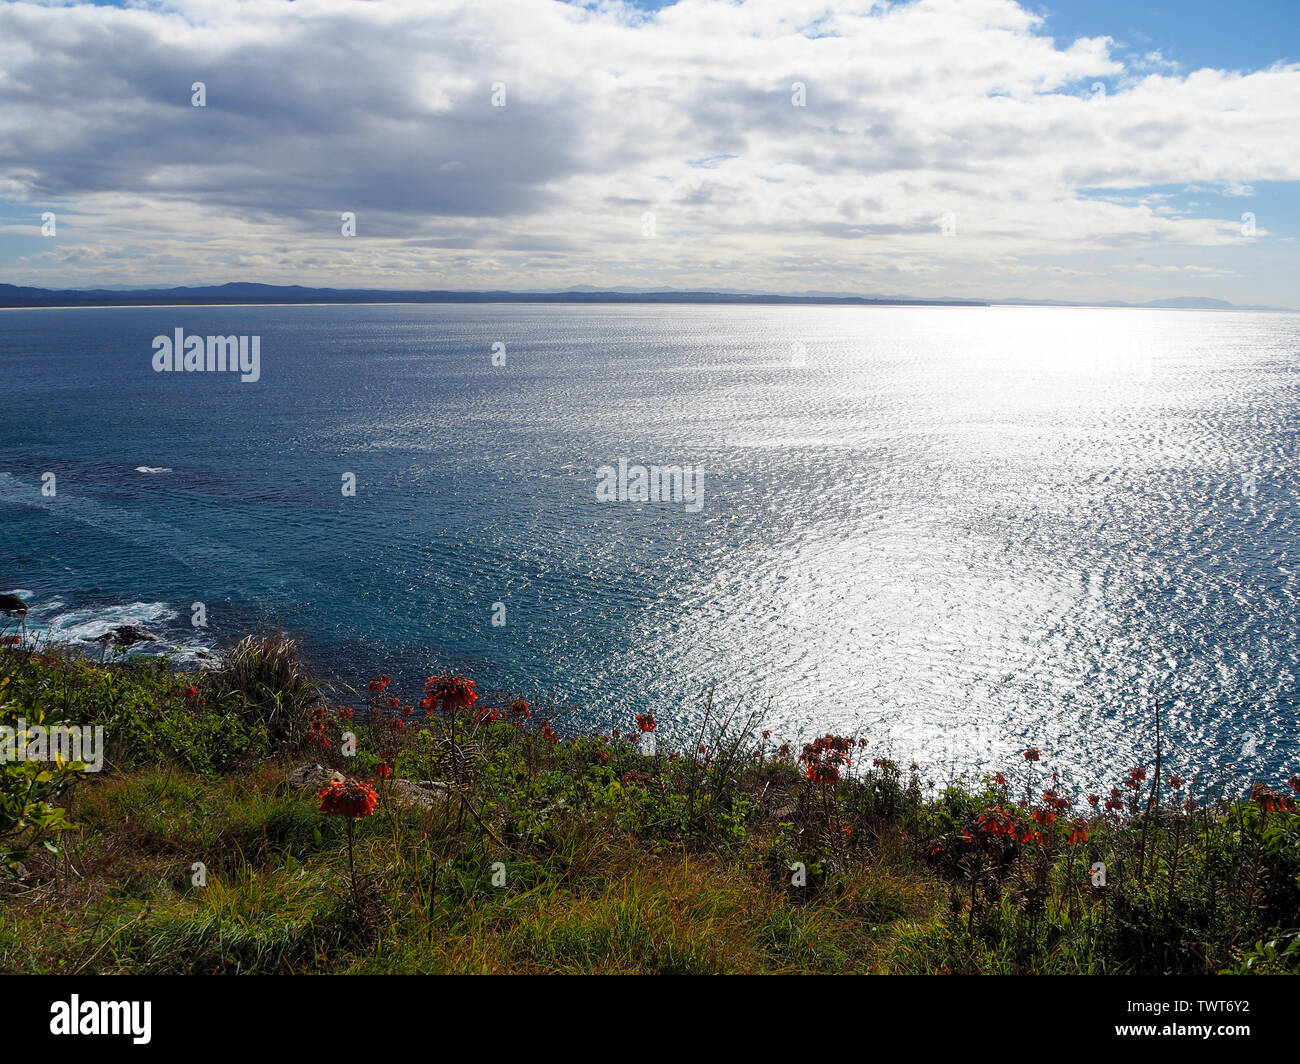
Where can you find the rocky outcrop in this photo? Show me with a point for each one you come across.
(12, 604)
(127, 635)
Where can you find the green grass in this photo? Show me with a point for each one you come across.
(614, 862)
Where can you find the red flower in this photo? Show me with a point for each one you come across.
(452, 692)
(349, 798)
(382, 770)
(646, 722)
(997, 821)
(822, 773)
(1093, 799)
(380, 683)
(191, 692)
(1078, 834)
(1031, 754)
(1270, 800)
(1175, 781)
(1055, 800)
(519, 708)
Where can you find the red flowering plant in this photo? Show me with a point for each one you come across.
(1271, 801)
(822, 758)
(317, 729)
(824, 762)
(450, 694)
(352, 800)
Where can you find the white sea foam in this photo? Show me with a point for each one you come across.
(152, 469)
(89, 622)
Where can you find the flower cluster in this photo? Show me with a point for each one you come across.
(316, 728)
(997, 821)
(348, 798)
(450, 692)
(1272, 801)
(1052, 800)
(823, 757)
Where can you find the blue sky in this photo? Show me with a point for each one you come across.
(973, 148)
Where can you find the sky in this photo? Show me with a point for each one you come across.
(962, 148)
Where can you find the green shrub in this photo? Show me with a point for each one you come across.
(29, 790)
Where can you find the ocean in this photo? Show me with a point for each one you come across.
(956, 532)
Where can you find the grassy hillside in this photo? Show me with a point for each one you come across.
(192, 851)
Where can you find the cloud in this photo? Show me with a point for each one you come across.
(387, 110)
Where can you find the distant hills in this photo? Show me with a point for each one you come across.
(243, 292)
(1176, 303)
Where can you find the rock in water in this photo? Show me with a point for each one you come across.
(12, 604)
(126, 635)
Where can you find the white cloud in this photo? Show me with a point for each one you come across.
(324, 106)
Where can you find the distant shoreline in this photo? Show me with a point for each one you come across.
(627, 302)
(245, 294)
(57, 301)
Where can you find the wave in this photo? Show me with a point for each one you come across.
(152, 469)
(86, 623)
(89, 622)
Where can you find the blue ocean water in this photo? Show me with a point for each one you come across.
(954, 531)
